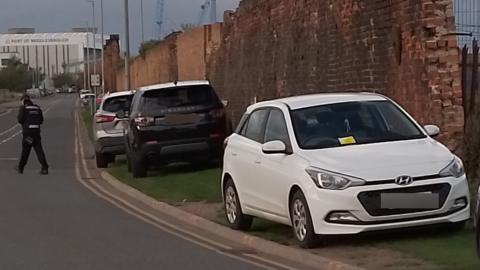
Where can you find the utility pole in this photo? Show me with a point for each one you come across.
(88, 56)
(94, 47)
(84, 73)
(103, 50)
(143, 21)
(127, 47)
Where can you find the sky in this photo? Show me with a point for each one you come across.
(61, 15)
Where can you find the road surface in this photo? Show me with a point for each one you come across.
(53, 222)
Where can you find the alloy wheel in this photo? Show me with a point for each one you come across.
(299, 220)
(231, 204)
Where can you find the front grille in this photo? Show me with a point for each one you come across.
(371, 200)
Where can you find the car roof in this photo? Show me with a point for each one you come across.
(305, 101)
(119, 94)
(173, 84)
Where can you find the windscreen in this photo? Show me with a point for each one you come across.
(350, 123)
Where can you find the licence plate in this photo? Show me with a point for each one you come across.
(409, 200)
(180, 119)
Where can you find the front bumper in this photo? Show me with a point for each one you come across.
(324, 202)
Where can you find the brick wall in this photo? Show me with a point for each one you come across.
(275, 48)
(111, 62)
(181, 56)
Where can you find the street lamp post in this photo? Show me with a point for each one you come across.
(143, 21)
(127, 47)
(94, 45)
(88, 57)
(103, 50)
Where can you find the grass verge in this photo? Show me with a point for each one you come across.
(88, 120)
(174, 184)
(445, 249)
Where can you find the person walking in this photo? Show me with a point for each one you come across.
(30, 116)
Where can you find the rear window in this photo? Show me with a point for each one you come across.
(180, 99)
(116, 104)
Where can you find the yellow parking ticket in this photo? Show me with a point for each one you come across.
(347, 140)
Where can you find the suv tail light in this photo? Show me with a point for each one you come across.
(217, 113)
(143, 121)
(225, 143)
(100, 118)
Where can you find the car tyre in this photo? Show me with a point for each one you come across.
(111, 158)
(233, 211)
(302, 224)
(458, 226)
(477, 236)
(129, 162)
(102, 160)
(139, 169)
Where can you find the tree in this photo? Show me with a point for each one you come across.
(16, 76)
(61, 80)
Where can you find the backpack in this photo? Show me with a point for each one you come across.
(33, 116)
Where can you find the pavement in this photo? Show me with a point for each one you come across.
(54, 222)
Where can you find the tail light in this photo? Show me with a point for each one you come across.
(143, 121)
(217, 113)
(100, 118)
(225, 143)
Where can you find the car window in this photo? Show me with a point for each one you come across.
(276, 128)
(255, 125)
(116, 104)
(349, 123)
(136, 102)
(179, 99)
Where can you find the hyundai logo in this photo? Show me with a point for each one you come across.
(404, 180)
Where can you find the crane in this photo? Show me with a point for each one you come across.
(159, 19)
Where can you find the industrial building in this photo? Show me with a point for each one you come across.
(52, 53)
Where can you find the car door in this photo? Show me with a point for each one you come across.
(245, 151)
(275, 176)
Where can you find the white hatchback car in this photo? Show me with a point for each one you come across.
(331, 164)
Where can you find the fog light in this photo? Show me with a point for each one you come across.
(459, 203)
(341, 217)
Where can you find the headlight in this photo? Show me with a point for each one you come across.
(330, 180)
(454, 168)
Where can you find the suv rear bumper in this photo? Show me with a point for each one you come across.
(110, 145)
(183, 150)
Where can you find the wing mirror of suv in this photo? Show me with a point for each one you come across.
(432, 130)
(225, 103)
(274, 147)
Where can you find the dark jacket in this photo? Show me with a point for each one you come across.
(30, 117)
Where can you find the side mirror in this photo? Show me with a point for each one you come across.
(225, 103)
(120, 114)
(432, 130)
(274, 147)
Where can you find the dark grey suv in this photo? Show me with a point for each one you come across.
(181, 121)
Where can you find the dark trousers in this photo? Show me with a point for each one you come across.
(32, 140)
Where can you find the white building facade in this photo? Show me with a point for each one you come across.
(53, 53)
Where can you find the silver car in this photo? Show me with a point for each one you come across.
(108, 136)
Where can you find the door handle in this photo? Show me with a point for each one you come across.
(258, 162)
(234, 154)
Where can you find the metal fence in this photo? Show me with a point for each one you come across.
(467, 21)
(470, 78)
